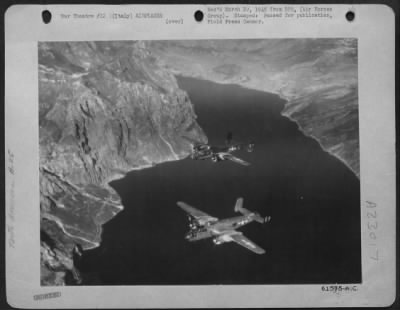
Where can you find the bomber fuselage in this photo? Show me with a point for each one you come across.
(218, 227)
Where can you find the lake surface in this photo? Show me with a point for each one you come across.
(312, 197)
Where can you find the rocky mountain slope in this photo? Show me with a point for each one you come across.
(93, 98)
(318, 78)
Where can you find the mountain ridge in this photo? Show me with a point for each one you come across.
(93, 98)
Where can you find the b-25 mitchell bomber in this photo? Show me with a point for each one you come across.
(204, 226)
(201, 151)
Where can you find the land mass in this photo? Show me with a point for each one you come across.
(317, 78)
(104, 110)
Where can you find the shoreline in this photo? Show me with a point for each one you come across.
(287, 102)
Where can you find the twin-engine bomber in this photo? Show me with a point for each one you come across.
(201, 151)
(204, 226)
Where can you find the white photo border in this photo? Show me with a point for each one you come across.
(374, 30)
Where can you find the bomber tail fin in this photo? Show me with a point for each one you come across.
(257, 217)
(239, 206)
(250, 147)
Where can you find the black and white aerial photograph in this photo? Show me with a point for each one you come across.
(199, 162)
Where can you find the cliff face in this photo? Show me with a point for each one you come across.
(104, 109)
(318, 78)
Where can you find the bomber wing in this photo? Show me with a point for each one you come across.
(235, 159)
(200, 216)
(243, 241)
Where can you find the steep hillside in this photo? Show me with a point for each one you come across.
(105, 108)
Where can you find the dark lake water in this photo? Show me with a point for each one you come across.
(313, 198)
